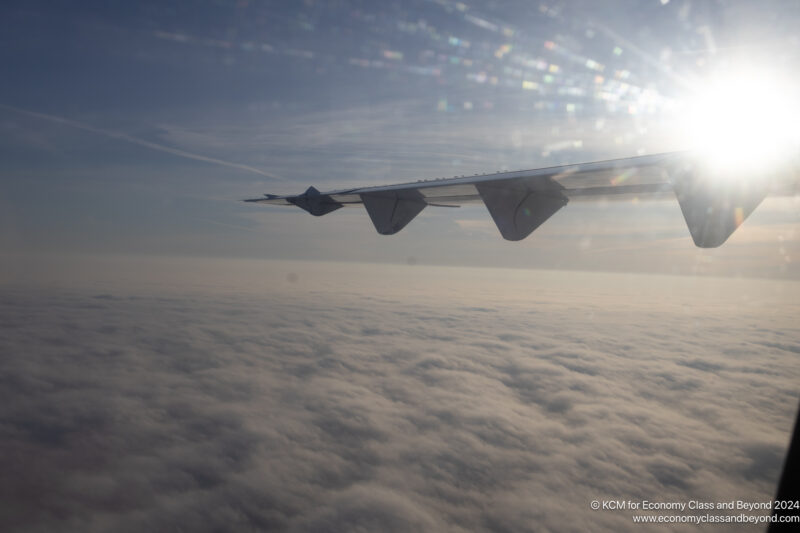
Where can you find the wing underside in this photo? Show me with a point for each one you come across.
(520, 201)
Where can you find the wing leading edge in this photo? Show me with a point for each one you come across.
(520, 201)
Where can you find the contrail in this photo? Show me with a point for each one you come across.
(141, 142)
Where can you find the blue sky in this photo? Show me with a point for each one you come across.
(135, 129)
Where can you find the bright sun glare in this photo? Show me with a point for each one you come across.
(744, 120)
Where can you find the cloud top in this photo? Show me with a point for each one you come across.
(472, 400)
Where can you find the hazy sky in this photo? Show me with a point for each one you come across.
(136, 127)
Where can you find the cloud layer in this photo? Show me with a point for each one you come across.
(448, 400)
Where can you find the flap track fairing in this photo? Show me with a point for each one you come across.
(391, 211)
(520, 206)
(315, 203)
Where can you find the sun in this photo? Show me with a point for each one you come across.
(743, 120)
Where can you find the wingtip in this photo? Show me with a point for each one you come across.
(266, 196)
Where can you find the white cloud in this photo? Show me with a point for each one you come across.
(307, 397)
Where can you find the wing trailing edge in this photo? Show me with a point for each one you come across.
(519, 202)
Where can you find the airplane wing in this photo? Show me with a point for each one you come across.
(713, 205)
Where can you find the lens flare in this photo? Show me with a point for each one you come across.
(743, 121)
